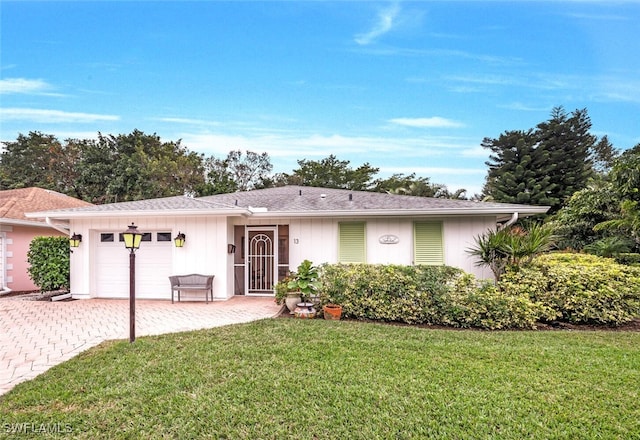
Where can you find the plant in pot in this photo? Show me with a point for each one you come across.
(305, 282)
(285, 296)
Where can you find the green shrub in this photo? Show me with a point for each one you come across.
(629, 259)
(579, 288)
(439, 295)
(470, 304)
(49, 260)
(385, 292)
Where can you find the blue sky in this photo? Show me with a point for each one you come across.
(406, 86)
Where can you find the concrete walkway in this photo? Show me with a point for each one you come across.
(36, 335)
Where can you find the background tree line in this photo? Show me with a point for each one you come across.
(135, 166)
(593, 189)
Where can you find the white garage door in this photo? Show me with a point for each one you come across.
(153, 266)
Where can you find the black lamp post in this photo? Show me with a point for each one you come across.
(132, 238)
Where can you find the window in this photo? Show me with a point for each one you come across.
(163, 236)
(106, 237)
(428, 248)
(351, 246)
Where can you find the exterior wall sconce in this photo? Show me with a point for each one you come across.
(74, 240)
(231, 248)
(180, 239)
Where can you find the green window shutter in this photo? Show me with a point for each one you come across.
(351, 248)
(428, 243)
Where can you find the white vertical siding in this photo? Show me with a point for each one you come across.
(459, 234)
(316, 239)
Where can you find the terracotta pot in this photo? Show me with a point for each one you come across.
(305, 311)
(332, 312)
(292, 300)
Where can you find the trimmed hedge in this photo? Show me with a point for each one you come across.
(437, 295)
(578, 288)
(49, 262)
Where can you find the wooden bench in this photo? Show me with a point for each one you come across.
(193, 281)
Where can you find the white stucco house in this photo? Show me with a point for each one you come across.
(250, 239)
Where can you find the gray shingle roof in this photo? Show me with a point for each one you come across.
(297, 200)
(305, 198)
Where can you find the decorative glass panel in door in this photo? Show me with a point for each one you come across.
(261, 260)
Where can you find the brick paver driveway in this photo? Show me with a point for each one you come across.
(36, 335)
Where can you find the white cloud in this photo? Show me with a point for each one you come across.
(188, 121)
(437, 171)
(23, 86)
(433, 122)
(384, 24)
(52, 116)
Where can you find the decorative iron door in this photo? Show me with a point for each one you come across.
(261, 262)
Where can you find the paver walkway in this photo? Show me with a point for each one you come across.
(36, 335)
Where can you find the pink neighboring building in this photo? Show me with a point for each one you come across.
(16, 231)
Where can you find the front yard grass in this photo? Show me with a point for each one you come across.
(287, 378)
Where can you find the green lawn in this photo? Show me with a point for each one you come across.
(287, 378)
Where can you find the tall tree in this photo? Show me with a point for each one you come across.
(30, 161)
(545, 165)
(569, 144)
(333, 173)
(237, 172)
(141, 166)
(512, 176)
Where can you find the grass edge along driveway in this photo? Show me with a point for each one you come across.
(286, 378)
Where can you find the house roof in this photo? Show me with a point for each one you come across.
(14, 203)
(298, 201)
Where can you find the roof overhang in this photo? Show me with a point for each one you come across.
(238, 212)
(30, 223)
(501, 213)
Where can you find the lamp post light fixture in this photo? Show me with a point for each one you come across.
(132, 238)
(74, 240)
(180, 239)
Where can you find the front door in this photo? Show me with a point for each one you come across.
(261, 273)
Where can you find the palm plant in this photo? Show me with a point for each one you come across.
(511, 246)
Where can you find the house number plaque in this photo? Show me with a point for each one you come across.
(389, 239)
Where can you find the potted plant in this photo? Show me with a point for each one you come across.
(285, 296)
(305, 281)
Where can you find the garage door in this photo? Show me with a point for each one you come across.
(153, 266)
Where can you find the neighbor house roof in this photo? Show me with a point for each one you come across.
(298, 201)
(14, 203)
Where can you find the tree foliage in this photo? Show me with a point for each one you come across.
(574, 223)
(332, 173)
(416, 186)
(545, 165)
(110, 169)
(30, 161)
(237, 172)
